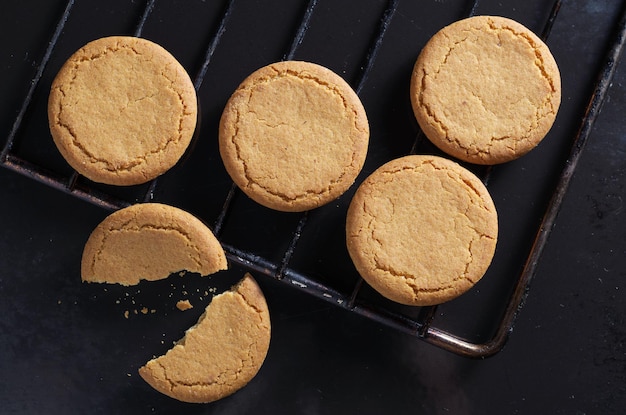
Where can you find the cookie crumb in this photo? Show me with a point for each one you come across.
(183, 305)
(144, 310)
(126, 314)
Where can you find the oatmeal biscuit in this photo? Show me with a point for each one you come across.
(485, 90)
(293, 136)
(421, 230)
(122, 110)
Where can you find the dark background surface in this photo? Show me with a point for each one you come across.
(66, 347)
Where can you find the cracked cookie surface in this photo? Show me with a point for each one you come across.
(485, 90)
(421, 230)
(221, 353)
(293, 136)
(122, 110)
(149, 241)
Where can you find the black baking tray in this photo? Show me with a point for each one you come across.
(373, 45)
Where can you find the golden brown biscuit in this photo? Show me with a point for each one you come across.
(294, 136)
(421, 230)
(221, 353)
(149, 241)
(485, 90)
(122, 110)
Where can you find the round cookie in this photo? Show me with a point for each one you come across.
(122, 110)
(149, 241)
(485, 90)
(421, 230)
(221, 353)
(293, 136)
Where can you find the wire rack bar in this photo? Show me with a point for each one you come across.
(228, 11)
(35, 81)
(144, 17)
(372, 54)
(302, 29)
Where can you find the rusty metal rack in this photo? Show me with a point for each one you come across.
(305, 251)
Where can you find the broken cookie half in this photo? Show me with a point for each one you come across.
(150, 241)
(221, 353)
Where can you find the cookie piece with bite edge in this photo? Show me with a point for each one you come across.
(149, 241)
(221, 354)
(485, 90)
(421, 230)
(122, 110)
(293, 136)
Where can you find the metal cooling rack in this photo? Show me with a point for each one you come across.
(423, 323)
